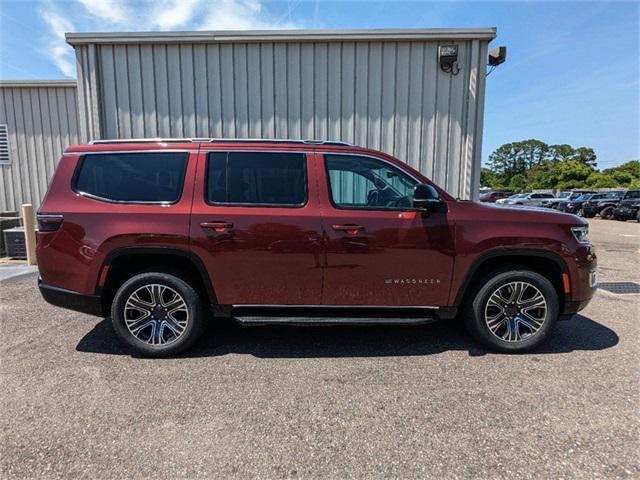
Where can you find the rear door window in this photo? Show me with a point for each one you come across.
(256, 178)
(132, 177)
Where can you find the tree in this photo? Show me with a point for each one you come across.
(626, 173)
(517, 158)
(564, 152)
(518, 183)
(601, 180)
(490, 179)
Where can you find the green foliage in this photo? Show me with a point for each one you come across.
(490, 179)
(518, 183)
(532, 164)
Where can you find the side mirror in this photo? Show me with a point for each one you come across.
(425, 197)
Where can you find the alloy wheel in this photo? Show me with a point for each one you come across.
(515, 311)
(156, 314)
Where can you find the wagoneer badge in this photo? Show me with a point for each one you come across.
(412, 281)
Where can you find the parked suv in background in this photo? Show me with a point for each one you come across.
(575, 206)
(629, 207)
(593, 207)
(166, 235)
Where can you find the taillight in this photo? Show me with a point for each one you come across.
(49, 223)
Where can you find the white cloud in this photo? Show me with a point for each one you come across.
(238, 15)
(61, 53)
(113, 11)
(174, 13)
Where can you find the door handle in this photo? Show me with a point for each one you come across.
(350, 228)
(219, 227)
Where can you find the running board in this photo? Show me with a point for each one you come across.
(311, 320)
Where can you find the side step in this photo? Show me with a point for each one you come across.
(270, 320)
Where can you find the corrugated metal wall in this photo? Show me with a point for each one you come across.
(387, 95)
(42, 121)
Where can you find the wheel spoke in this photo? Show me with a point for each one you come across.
(154, 321)
(515, 311)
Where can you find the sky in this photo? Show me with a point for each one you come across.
(571, 76)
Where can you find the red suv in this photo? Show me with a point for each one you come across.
(165, 235)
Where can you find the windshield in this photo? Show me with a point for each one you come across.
(615, 194)
(584, 198)
(564, 194)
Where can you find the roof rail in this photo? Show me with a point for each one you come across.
(221, 140)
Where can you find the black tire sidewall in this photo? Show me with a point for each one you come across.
(194, 307)
(474, 317)
(607, 213)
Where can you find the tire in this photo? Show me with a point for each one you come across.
(607, 213)
(147, 304)
(506, 338)
(580, 212)
(587, 215)
(638, 216)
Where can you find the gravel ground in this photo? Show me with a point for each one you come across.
(333, 402)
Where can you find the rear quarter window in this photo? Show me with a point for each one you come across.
(256, 178)
(132, 177)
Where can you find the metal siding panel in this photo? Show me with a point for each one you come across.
(375, 96)
(240, 90)
(40, 180)
(149, 94)
(416, 105)
(227, 91)
(388, 107)
(428, 117)
(401, 101)
(267, 90)
(334, 75)
(320, 90)
(161, 76)
(254, 101)
(479, 120)
(6, 181)
(307, 87)
(456, 121)
(280, 90)
(25, 126)
(347, 89)
(214, 88)
(122, 91)
(109, 93)
(176, 125)
(135, 82)
(201, 92)
(294, 101)
(187, 91)
(361, 87)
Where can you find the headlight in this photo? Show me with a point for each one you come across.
(581, 234)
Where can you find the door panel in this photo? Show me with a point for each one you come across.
(380, 254)
(261, 253)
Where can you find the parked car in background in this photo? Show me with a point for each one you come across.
(575, 206)
(513, 197)
(491, 197)
(608, 209)
(553, 202)
(574, 195)
(594, 207)
(531, 199)
(629, 207)
(165, 236)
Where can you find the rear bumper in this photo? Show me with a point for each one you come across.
(571, 308)
(80, 302)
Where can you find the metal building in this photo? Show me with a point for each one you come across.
(383, 89)
(38, 120)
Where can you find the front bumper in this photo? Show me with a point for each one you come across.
(80, 302)
(628, 213)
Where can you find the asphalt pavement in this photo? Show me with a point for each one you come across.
(325, 402)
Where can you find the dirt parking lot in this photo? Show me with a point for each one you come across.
(332, 402)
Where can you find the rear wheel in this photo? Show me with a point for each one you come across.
(158, 314)
(512, 311)
(607, 213)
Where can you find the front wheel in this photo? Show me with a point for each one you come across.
(607, 213)
(158, 314)
(512, 311)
